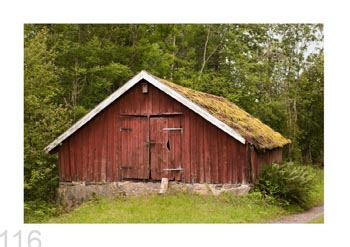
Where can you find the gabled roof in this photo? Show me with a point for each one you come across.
(220, 112)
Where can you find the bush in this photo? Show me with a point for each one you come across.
(38, 211)
(289, 183)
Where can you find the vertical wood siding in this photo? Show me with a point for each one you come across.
(131, 135)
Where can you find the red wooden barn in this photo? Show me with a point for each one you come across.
(151, 128)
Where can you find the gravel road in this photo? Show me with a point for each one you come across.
(302, 217)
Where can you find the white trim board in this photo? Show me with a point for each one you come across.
(166, 89)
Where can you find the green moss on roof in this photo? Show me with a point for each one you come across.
(251, 128)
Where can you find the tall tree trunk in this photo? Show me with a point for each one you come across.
(78, 84)
(75, 88)
(134, 30)
(205, 57)
(289, 111)
(204, 54)
(172, 67)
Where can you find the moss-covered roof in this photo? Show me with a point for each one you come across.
(251, 128)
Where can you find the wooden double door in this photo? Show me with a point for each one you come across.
(151, 147)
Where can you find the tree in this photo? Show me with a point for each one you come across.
(311, 105)
(86, 58)
(44, 118)
(294, 41)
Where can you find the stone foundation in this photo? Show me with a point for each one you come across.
(73, 194)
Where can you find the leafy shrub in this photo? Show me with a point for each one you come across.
(38, 211)
(289, 183)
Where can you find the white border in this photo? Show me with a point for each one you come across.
(335, 16)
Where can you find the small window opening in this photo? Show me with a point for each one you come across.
(168, 145)
(144, 88)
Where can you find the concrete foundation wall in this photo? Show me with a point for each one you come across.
(73, 194)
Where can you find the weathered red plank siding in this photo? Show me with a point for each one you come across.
(70, 157)
(115, 142)
(226, 163)
(267, 157)
(77, 162)
(109, 142)
(215, 164)
(97, 143)
(100, 150)
(232, 159)
(209, 172)
(186, 150)
(61, 166)
(66, 163)
(85, 154)
(254, 163)
(194, 177)
(221, 164)
(239, 159)
(91, 151)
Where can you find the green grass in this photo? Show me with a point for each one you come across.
(318, 220)
(317, 194)
(175, 208)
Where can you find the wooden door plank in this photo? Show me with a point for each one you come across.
(179, 150)
(154, 148)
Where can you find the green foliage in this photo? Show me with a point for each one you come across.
(289, 183)
(44, 118)
(311, 104)
(316, 196)
(38, 211)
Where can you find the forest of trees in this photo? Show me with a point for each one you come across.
(273, 71)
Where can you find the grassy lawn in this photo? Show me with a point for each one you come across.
(317, 194)
(176, 208)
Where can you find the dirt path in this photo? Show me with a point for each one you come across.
(302, 217)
